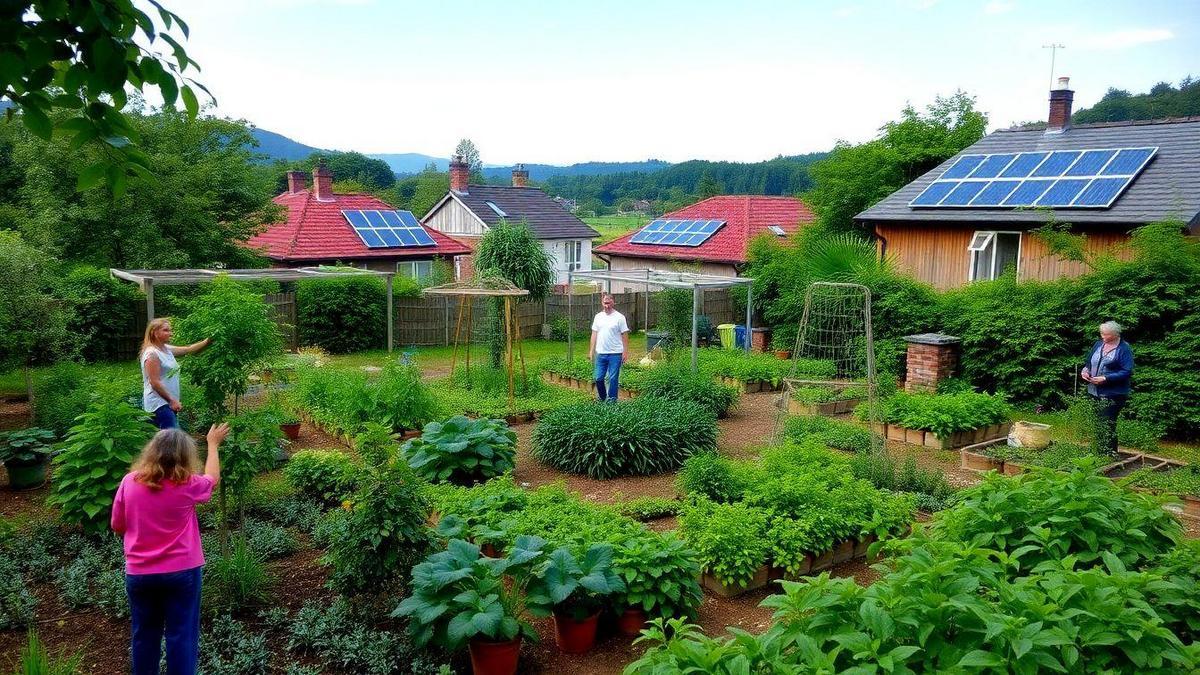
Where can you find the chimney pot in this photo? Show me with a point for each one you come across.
(460, 172)
(520, 177)
(1060, 107)
(322, 182)
(297, 181)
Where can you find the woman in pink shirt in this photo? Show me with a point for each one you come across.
(155, 511)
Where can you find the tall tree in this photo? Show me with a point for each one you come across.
(79, 56)
(708, 186)
(470, 154)
(1163, 100)
(511, 251)
(372, 174)
(853, 177)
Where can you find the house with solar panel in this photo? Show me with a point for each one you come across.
(711, 236)
(466, 212)
(970, 218)
(325, 228)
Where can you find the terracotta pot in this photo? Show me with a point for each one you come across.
(843, 551)
(292, 431)
(494, 658)
(575, 636)
(631, 621)
(490, 551)
(783, 354)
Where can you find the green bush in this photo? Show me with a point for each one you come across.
(61, 393)
(342, 314)
(462, 449)
(640, 437)
(730, 539)
(103, 311)
(344, 400)
(659, 572)
(95, 457)
(675, 381)
(234, 580)
(943, 414)
(710, 475)
(345, 641)
(326, 475)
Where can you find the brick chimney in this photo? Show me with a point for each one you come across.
(1060, 107)
(520, 176)
(297, 181)
(322, 182)
(460, 171)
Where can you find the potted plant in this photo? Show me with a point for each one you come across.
(460, 597)
(573, 590)
(289, 424)
(783, 340)
(25, 454)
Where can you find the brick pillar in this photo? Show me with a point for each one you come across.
(932, 357)
(759, 339)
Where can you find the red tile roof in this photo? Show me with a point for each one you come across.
(317, 230)
(745, 216)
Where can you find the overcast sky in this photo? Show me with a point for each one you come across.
(564, 82)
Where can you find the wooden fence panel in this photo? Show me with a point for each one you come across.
(283, 312)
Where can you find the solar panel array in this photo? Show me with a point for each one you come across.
(388, 229)
(663, 232)
(1062, 178)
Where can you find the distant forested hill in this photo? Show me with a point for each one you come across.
(676, 183)
(278, 146)
(542, 172)
(1163, 100)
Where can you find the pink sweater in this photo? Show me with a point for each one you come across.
(160, 527)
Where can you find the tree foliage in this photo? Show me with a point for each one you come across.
(372, 174)
(854, 177)
(32, 320)
(80, 57)
(1163, 100)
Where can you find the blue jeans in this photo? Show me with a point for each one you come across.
(164, 417)
(608, 367)
(165, 604)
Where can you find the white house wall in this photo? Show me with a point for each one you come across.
(558, 255)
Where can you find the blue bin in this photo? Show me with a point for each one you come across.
(739, 336)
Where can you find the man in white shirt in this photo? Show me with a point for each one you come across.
(609, 345)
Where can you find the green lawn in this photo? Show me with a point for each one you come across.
(611, 227)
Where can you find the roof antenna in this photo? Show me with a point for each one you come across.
(1053, 47)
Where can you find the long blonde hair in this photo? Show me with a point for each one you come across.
(151, 328)
(170, 455)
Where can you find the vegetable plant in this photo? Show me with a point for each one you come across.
(95, 456)
(729, 538)
(1181, 481)
(710, 475)
(639, 437)
(837, 434)
(462, 449)
(659, 572)
(573, 586)
(944, 414)
(675, 381)
(25, 446)
(327, 475)
(344, 400)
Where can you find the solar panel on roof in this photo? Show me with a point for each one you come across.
(1084, 178)
(674, 232)
(388, 229)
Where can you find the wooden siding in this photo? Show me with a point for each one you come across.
(623, 263)
(937, 253)
(455, 219)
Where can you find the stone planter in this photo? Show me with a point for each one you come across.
(914, 437)
(843, 551)
(975, 461)
(760, 579)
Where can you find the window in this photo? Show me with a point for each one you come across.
(415, 269)
(573, 254)
(499, 211)
(458, 267)
(777, 230)
(992, 253)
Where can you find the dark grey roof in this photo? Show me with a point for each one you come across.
(1169, 186)
(546, 218)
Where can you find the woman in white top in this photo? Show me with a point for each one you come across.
(160, 372)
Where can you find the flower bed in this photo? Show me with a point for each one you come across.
(797, 511)
(942, 421)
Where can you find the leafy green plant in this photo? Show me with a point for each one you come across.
(228, 647)
(649, 507)
(945, 414)
(659, 572)
(61, 393)
(675, 316)
(25, 446)
(729, 538)
(462, 449)
(792, 540)
(342, 314)
(783, 338)
(573, 586)
(458, 594)
(344, 400)
(383, 532)
(35, 659)
(250, 449)
(710, 475)
(1181, 481)
(17, 603)
(95, 577)
(95, 457)
(639, 437)
(269, 541)
(235, 579)
(837, 434)
(326, 475)
(676, 382)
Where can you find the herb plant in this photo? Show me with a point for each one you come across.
(462, 449)
(327, 475)
(574, 586)
(945, 414)
(659, 572)
(26, 446)
(730, 539)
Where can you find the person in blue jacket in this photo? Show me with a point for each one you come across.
(1107, 371)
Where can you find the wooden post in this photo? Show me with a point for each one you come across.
(512, 405)
(457, 328)
(749, 313)
(390, 321)
(695, 312)
(148, 286)
(570, 321)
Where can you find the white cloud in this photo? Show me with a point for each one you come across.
(1124, 39)
(847, 11)
(999, 7)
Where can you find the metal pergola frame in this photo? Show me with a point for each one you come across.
(148, 279)
(663, 279)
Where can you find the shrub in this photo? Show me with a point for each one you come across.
(712, 476)
(344, 400)
(481, 401)
(229, 648)
(295, 511)
(462, 449)
(95, 457)
(659, 572)
(344, 641)
(342, 314)
(837, 434)
(236, 579)
(640, 437)
(61, 393)
(729, 538)
(327, 475)
(103, 311)
(675, 381)
(16, 601)
(383, 533)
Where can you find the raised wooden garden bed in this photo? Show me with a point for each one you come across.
(760, 579)
(584, 385)
(830, 408)
(849, 549)
(749, 386)
(958, 439)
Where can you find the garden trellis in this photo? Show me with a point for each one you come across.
(697, 283)
(148, 279)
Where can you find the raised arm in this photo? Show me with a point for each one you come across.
(212, 463)
(192, 348)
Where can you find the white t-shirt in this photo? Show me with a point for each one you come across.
(608, 329)
(168, 373)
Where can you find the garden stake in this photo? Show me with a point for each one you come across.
(457, 327)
